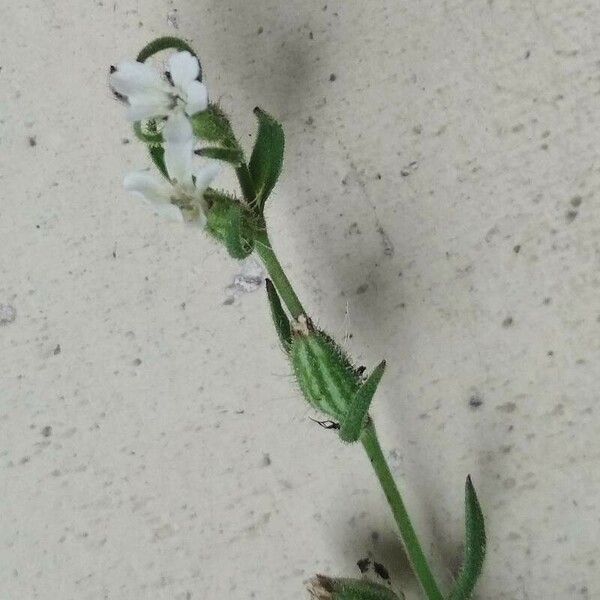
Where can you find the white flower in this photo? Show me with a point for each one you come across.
(149, 95)
(181, 197)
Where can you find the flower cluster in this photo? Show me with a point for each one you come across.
(165, 104)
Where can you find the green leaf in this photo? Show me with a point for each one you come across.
(165, 43)
(474, 546)
(352, 425)
(233, 156)
(267, 156)
(282, 323)
(212, 125)
(157, 154)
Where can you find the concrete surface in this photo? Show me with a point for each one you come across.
(439, 204)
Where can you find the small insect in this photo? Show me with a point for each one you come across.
(326, 424)
(360, 371)
(363, 565)
(381, 571)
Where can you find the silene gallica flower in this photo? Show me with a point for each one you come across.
(149, 95)
(181, 196)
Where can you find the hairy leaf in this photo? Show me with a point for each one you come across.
(352, 425)
(233, 156)
(474, 546)
(267, 157)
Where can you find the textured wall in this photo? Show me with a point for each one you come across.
(439, 204)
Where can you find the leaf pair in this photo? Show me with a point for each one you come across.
(259, 176)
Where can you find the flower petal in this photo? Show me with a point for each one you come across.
(184, 68)
(199, 221)
(196, 97)
(204, 176)
(148, 105)
(178, 129)
(149, 186)
(132, 77)
(179, 149)
(168, 211)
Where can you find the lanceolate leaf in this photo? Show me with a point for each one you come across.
(474, 546)
(267, 156)
(233, 156)
(282, 323)
(157, 154)
(352, 425)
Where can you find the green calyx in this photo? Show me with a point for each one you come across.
(212, 125)
(328, 588)
(324, 373)
(229, 221)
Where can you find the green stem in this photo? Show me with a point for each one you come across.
(407, 532)
(277, 274)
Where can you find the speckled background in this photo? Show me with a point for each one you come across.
(438, 205)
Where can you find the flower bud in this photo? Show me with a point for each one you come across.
(327, 588)
(324, 373)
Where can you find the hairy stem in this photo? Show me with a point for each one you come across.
(407, 532)
(278, 276)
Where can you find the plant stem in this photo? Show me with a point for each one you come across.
(409, 537)
(369, 438)
(278, 276)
